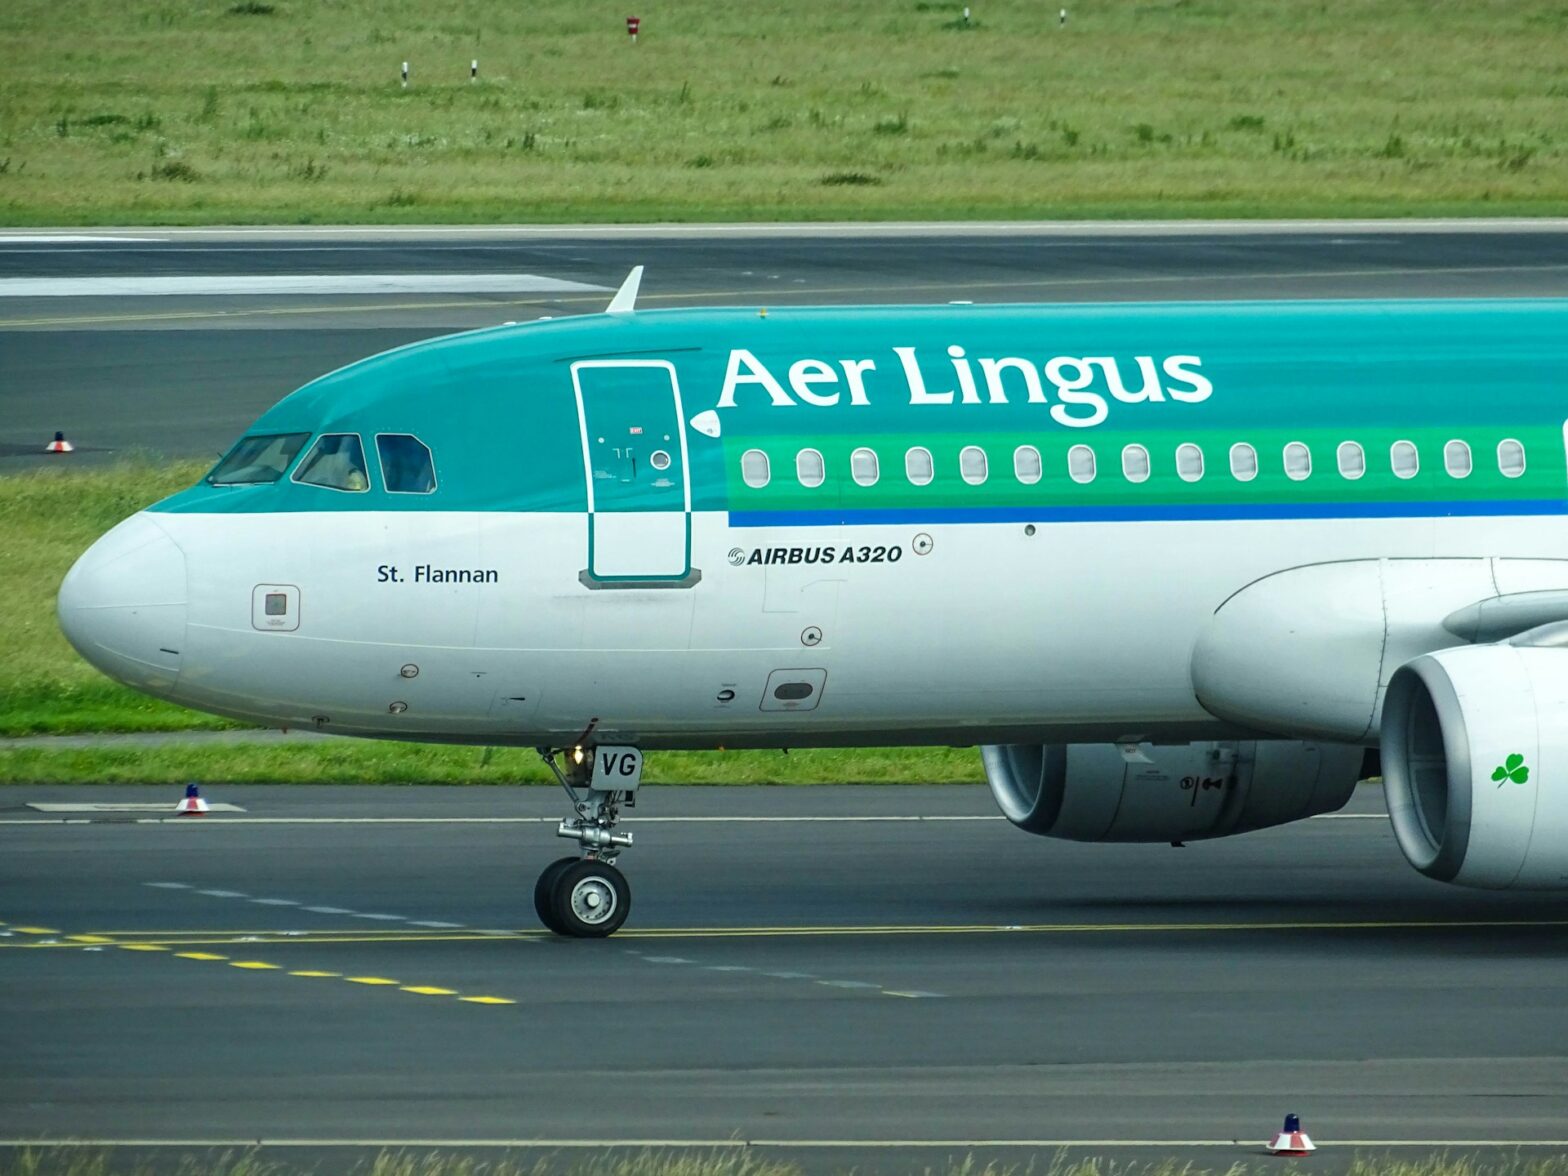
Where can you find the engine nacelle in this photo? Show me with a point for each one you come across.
(1142, 792)
(1475, 765)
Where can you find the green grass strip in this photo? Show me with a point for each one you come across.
(47, 519)
(736, 1160)
(376, 762)
(286, 111)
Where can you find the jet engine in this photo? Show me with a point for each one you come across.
(1475, 759)
(1144, 792)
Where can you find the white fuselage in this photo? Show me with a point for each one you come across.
(998, 633)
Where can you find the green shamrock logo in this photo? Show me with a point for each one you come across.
(1512, 769)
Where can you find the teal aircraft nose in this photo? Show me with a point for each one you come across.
(123, 605)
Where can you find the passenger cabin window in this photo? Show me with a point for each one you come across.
(1405, 459)
(1243, 462)
(1135, 463)
(1456, 459)
(1189, 462)
(1510, 458)
(337, 462)
(972, 465)
(1298, 461)
(257, 460)
(863, 467)
(918, 466)
(754, 469)
(1080, 463)
(809, 468)
(1352, 460)
(406, 465)
(1027, 466)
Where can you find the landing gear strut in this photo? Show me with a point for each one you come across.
(587, 897)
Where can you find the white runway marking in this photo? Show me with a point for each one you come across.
(244, 285)
(864, 985)
(117, 807)
(862, 230)
(318, 910)
(66, 239)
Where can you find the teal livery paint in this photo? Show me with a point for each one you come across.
(500, 410)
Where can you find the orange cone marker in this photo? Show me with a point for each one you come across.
(1291, 1140)
(193, 805)
(59, 445)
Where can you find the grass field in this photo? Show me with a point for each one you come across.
(291, 111)
(737, 1161)
(355, 761)
(47, 519)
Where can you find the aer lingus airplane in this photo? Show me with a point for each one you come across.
(1173, 568)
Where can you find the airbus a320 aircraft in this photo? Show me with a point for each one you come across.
(1173, 568)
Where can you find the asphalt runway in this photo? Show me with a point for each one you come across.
(875, 976)
(884, 993)
(183, 374)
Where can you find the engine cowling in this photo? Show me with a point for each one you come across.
(1475, 765)
(1142, 792)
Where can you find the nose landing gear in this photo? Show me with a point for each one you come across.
(587, 897)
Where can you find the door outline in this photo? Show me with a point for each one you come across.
(689, 575)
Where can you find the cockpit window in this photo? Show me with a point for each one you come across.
(406, 467)
(336, 461)
(258, 459)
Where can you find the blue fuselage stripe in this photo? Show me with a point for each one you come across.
(1148, 513)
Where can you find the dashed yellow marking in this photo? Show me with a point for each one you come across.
(488, 1000)
(199, 955)
(90, 938)
(36, 930)
(428, 990)
(317, 975)
(210, 938)
(255, 966)
(141, 947)
(369, 980)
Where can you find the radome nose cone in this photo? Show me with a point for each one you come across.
(123, 605)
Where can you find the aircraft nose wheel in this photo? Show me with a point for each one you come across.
(589, 899)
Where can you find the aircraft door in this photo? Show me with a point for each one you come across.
(634, 456)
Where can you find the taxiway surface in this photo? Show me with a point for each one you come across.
(121, 364)
(875, 964)
(928, 982)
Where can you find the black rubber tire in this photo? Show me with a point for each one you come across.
(613, 885)
(544, 892)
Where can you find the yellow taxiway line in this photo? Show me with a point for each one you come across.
(162, 940)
